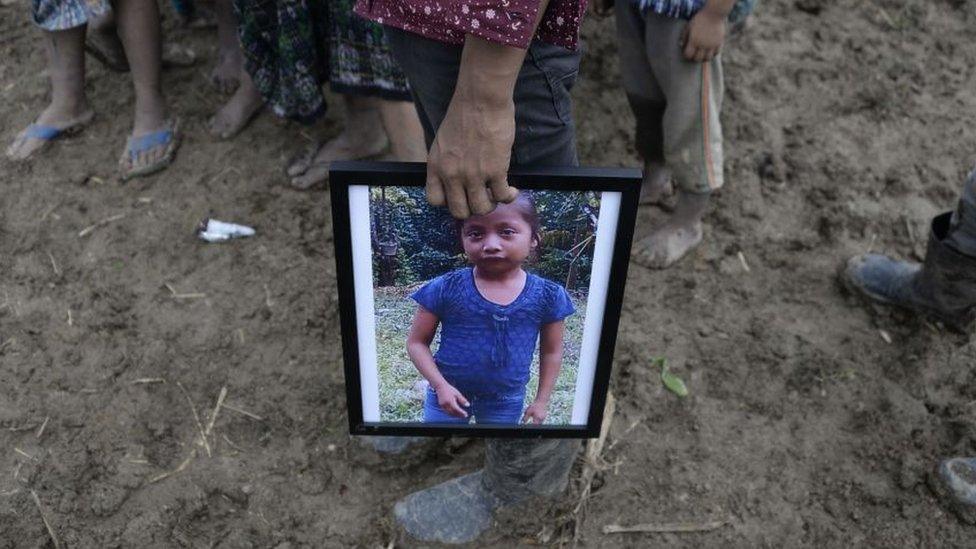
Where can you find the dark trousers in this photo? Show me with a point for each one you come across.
(544, 130)
(962, 227)
(544, 136)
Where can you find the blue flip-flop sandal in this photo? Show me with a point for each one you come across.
(169, 138)
(47, 134)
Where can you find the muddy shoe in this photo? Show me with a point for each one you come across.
(881, 278)
(456, 511)
(459, 510)
(944, 287)
(958, 476)
(394, 445)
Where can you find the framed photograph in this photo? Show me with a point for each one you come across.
(499, 325)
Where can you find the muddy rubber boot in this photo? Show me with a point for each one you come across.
(958, 476)
(394, 445)
(943, 287)
(459, 510)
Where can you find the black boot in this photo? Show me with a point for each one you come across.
(944, 287)
(459, 510)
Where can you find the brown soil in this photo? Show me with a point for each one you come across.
(847, 125)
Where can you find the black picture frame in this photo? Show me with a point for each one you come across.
(344, 175)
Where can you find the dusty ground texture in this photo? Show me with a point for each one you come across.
(848, 124)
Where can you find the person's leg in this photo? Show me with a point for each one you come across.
(962, 226)
(943, 286)
(139, 29)
(459, 510)
(692, 140)
(362, 136)
(230, 60)
(68, 109)
(103, 43)
(403, 129)
(646, 101)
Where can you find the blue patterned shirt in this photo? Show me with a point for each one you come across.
(685, 9)
(487, 348)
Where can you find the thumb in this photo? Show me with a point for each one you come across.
(686, 43)
(500, 189)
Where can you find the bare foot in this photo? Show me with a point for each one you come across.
(242, 107)
(403, 127)
(68, 120)
(343, 147)
(176, 55)
(362, 137)
(666, 245)
(147, 152)
(671, 241)
(656, 187)
(225, 72)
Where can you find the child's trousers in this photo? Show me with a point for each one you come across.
(486, 409)
(676, 102)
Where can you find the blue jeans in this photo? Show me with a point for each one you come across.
(485, 409)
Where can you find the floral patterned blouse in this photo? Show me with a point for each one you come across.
(507, 22)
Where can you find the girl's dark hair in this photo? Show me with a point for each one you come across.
(524, 203)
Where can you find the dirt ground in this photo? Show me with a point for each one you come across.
(848, 124)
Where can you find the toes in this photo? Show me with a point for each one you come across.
(23, 147)
(313, 176)
(13, 151)
(301, 163)
(154, 155)
(217, 126)
(296, 168)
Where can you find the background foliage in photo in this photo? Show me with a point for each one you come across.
(414, 242)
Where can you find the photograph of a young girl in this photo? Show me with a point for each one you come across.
(480, 321)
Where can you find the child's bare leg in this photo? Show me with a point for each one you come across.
(362, 137)
(678, 236)
(229, 58)
(403, 128)
(139, 29)
(656, 186)
(69, 106)
(239, 110)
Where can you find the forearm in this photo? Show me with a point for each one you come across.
(423, 360)
(488, 73)
(489, 70)
(549, 366)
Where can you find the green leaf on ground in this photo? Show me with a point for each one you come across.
(671, 381)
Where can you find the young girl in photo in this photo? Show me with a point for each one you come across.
(491, 314)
